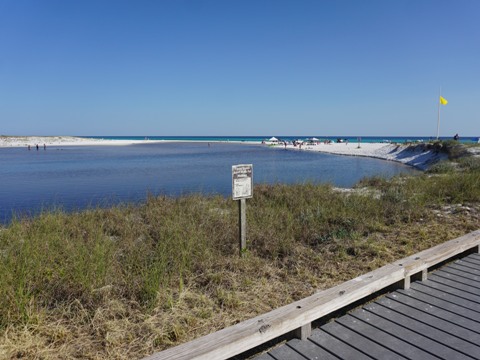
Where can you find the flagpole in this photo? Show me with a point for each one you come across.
(438, 118)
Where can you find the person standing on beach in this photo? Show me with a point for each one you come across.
(28, 147)
(44, 147)
(37, 147)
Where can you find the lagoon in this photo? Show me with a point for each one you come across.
(78, 177)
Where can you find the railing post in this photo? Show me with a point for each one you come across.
(304, 332)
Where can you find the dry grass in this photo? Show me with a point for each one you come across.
(125, 282)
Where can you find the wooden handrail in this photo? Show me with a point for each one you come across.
(299, 315)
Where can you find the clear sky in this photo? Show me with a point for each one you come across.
(239, 67)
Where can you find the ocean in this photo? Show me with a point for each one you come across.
(78, 177)
(259, 139)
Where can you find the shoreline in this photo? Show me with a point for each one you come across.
(417, 156)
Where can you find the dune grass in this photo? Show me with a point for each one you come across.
(127, 281)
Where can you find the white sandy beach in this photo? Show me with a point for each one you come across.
(416, 156)
(24, 141)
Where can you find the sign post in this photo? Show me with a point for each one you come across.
(242, 189)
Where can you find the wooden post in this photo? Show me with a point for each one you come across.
(420, 276)
(242, 222)
(242, 189)
(304, 332)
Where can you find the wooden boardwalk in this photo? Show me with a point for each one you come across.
(438, 318)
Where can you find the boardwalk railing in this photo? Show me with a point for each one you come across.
(298, 316)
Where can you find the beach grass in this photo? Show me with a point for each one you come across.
(127, 281)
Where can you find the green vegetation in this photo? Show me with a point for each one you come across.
(129, 280)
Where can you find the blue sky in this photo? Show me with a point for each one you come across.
(249, 67)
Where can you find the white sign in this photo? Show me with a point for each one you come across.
(242, 181)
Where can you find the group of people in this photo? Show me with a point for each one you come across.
(36, 145)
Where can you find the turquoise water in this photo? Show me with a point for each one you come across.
(366, 139)
(78, 177)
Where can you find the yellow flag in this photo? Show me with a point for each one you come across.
(443, 101)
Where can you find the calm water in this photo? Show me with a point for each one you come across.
(78, 177)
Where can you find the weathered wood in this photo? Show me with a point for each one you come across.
(413, 297)
(448, 315)
(472, 260)
(422, 322)
(420, 276)
(358, 341)
(431, 320)
(454, 299)
(377, 334)
(337, 347)
(460, 280)
(309, 350)
(454, 284)
(427, 331)
(304, 331)
(416, 339)
(265, 356)
(286, 353)
(242, 225)
(466, 265)
(254, 332)
(446, 289)
(465, 269)
(474, 256)
(460, 273)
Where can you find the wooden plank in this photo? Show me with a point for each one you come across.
(444, 296)
(411, 296)
(461, 349)
(475, 286)
(265, 356)
(310, 350)
(460, 267)
(463, 274)
(454, 284)
(335, 346)
(414, 338)
(359, 342)
(448, 327)
(374, 333)
(285, 353)
(448, 315)
(472, 262)
(475, 256)
(446, 289)
(466, 264)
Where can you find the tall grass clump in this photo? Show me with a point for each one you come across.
(138, 252)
